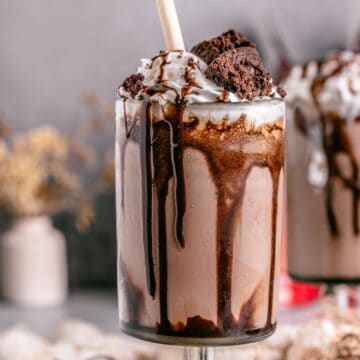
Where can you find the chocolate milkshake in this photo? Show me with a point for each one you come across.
(323, 169)
(199, 154)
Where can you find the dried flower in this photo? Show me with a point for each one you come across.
(42, 143)
(43, 171)
(35, 173)
(20, 179)
(102, 112)
(4, 129)
(84, 216)
(107, 178)
(83, 154)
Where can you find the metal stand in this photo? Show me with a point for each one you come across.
(342, 297)
(199, 353)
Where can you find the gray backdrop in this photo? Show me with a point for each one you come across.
(51, 51)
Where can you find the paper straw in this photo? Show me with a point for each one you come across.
(170, 25)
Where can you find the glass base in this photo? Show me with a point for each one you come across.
(325, 280)
(148, 334)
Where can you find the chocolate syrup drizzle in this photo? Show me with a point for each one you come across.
(146, 180)
(162, 142)
(176, 129)
(335, 141)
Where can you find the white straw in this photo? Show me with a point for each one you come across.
(170, 25)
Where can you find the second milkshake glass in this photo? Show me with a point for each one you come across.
(199, 218)
(324, 222)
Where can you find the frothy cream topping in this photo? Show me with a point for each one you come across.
(329, 85)
(180, 74)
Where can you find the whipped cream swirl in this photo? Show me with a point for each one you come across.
(181, 75)
(331, 85)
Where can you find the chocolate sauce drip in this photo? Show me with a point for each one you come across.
(190, 81)
(146, 180)
(162, 248)
(162, 159)
(247, 312)
(176, 128)
(305, 67)
(224, 96)
(335, 141)
(162, 68)
(304, 70)
(168, 164)
(161, 176)
(275, 174)
(134, 295)
(230, 170)
(228, 210)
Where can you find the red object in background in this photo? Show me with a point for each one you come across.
(293, 293)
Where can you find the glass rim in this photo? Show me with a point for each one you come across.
(244, 103)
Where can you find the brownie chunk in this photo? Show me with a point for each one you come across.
(210, 49)
(134, 84)
(241, 71)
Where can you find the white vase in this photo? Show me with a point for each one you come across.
(33, 263)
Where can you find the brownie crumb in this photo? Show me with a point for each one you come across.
(134, 84)
(210, 49)
(281, 91)
(241, 71)
(234, 64)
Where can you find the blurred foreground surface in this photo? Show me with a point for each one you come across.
(47, 334)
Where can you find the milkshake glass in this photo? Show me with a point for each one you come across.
(199, 180)
(323, 170)
(199, 206)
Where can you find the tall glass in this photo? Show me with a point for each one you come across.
(199, 220)
(323, 193)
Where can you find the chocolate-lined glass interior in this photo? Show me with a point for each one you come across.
(199, 207)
